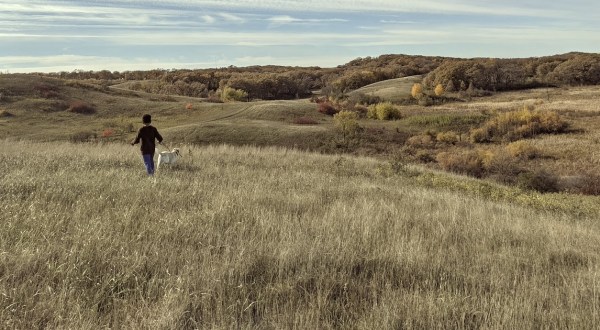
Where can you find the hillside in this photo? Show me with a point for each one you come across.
(392, 90)
(440, 135)
(241, 237)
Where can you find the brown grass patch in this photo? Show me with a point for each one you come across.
(81, 108)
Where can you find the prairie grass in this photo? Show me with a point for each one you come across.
(241, 237)
(446, 120)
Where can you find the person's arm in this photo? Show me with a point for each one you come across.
(158, 136)
(137, 138)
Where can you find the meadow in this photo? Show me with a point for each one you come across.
(269, 237)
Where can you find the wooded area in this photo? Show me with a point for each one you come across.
(284, 82)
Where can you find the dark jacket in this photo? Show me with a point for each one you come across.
(147, 135)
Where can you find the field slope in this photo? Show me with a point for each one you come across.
(240, 237)
(393, 90)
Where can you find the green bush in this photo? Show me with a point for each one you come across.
(383, 111)
(346, 122)
(538, 180)
(229, 94)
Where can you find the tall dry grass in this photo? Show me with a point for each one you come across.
(269, 238)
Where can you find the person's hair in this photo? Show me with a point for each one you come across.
(147, 119)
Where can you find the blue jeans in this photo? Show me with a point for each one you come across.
(149, 162)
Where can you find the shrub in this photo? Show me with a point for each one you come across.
(480, 135)
(538, 180)
(347, 124)
(317, 99)
(500, 165)
(214, 97)
(383, 111)
(522, 149)
(81, 108)
(515, 125)
(448, 137)
(327, 108)
(424, 156)
(47, 91)
(439, 90)
(417, 91)
(421, 141)
(229, 94)
(425, 101)
(362, 98)
(466, 162)
(305, 121)
(591, 185)
(361, 110)
(107, 133)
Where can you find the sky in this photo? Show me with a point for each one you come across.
(121, 35)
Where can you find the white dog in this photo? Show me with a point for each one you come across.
(168, 157)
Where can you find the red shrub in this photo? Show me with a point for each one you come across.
(81, 107)
(327, 108)
(108, 133)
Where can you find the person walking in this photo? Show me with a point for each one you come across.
(147, 135)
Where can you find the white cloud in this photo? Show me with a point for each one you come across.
(232, 18)
(286, 19)
(511, 7)
(69, 63)
(283, 19)
(209, 19)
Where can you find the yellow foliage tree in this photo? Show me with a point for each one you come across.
(439, 90)
(347, 124)
(417, 91)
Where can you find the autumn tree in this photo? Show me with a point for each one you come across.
(417, 91)
(346, 123)
(439, 90)
(229, 94)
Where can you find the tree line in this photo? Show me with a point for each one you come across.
(285, 82)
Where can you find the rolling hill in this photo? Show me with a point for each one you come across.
(392, 90)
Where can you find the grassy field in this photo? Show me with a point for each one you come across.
(393, 90)
(268, 223)
(244, 237)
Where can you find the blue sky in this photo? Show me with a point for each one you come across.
(119, 35)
